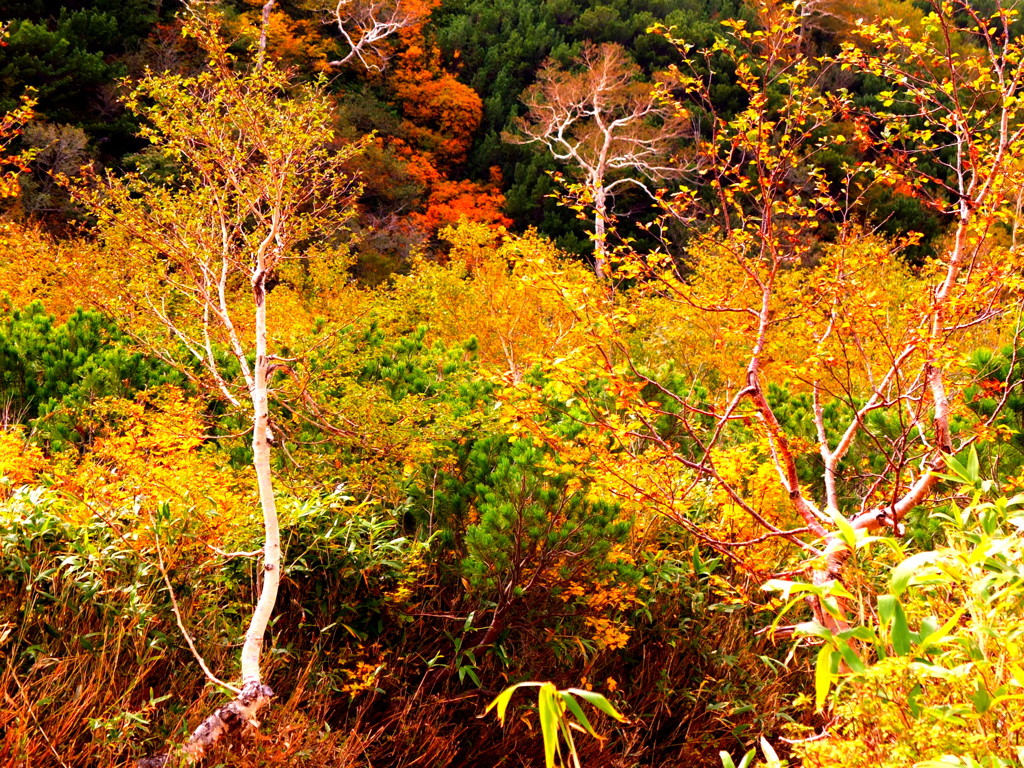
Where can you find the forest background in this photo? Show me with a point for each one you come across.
(666, 351)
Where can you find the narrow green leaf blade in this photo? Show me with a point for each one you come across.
(900, 635)
(822, 676)
(577, 711)
(853, 661)
(599, 701)
(548, 722)
(900, 577)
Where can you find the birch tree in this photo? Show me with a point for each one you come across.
(603, 122)
(260, 180)
(897, 364)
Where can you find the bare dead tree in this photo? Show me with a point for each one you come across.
(606, 125)
(364, 26)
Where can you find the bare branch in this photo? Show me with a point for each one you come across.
(365, 25)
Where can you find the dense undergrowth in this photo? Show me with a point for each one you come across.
(427, 566)
(376, 653)
(754, 475)
(404, 608)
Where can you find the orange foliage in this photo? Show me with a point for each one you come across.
(20, 463)
(12, 165)
(62, 274)
(151, 449)
(499, 289)
(441, 113)
(441, 116)
(453, 201)
(419, 165)
(291, 42)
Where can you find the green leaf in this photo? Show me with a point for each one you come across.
(502, 699)
(577, 711)
(942, 632)
(846, 531)
(822, 676)
(900, 635)
(967, 472)
(973, 467)
(982, 701)
(912, 703)
(902, 573)
(886, 609)
(894, 623)
(853, 661)
(727, 762)
(600, 702)
(548, 722)
(813, 629)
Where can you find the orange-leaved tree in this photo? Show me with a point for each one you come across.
(836, 367)
(13, 164)
(11, 124)
(258, 181)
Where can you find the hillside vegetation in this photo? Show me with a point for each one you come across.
(362, 361)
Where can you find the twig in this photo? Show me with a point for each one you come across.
(222, 553)
(816, 737)
(177, 616)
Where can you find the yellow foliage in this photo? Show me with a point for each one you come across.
(603, 600)
(20, 462)
(11, 124)
(608, 634)
(747, 469)
(62, 274)
(413, 569)
(298, 43)
(150, 449)
(515, 294)
(840, 316)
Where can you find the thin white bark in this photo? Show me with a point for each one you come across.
(264, 478)
(365, 24)
(601, 122)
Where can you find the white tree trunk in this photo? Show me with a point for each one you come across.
(254, 695)
(264, 479)
(600, 232)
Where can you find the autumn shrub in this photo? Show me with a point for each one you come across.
(994, 399)
(96, 659)
(535, 535)
(353, 570)
(506, 291)
(392, 400)
(20, 462)
(543, 557)
(934, 677)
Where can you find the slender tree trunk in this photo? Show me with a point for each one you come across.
(254, 695)
(836, 551)
(600, 232)
(261, 463)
